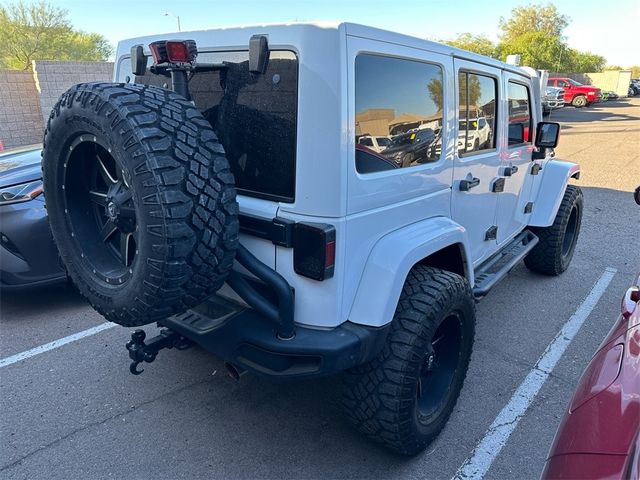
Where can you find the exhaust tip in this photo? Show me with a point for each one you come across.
(233, 371)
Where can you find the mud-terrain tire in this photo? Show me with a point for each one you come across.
(407, 160)
(579, 101)
(141, 200)
(553, 253)
(404, 397)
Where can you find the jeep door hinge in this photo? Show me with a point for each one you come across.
(491, 233)
(468, 184)
(512, 170)
(498, 185)
(535, 168)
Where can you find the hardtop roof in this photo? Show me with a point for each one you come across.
(351, 29)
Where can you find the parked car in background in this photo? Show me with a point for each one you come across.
(28, 256)
(599, 436)
(612, 95)
(634, 87)
(553, 99)
(474, 134)
(412, 148)
(377, 143)
(576, 93)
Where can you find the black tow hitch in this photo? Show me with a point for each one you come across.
(146, 352)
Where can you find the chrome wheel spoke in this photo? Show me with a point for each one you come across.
(125, 248)
(98, 198)
(435, 341)
(107, 230)
(104, 172)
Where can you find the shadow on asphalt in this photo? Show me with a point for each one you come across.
(23, 303)
(598, 112)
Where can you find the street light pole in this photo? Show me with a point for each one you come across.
(169, 14)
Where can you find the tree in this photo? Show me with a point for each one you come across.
(436, 93)
(474, 43)
(40, 31)
(536, 33)
(537, 49)
(533, 18)
(583, 62)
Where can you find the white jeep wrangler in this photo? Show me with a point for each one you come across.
(218, 189)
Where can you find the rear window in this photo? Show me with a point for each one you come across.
(254, 116)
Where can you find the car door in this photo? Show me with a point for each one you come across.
(476, 165)
(513, 211)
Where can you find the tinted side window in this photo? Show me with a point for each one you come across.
(477, 116)
(519, 114)
(400, 100)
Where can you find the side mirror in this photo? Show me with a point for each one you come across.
(138, 60)
(547, 134)
(258, 54)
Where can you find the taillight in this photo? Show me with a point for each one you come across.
(173, 51)
(314, 250)
(630, 301)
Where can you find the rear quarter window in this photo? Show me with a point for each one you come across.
(401, 100)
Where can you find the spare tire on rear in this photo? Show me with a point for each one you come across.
(141, 200)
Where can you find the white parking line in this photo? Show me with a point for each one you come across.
(5, 362)
(477, 465)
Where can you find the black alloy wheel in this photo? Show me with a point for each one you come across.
(100, 209)
(439, 368)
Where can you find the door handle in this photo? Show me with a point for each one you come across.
(508, 171)
(466, 185)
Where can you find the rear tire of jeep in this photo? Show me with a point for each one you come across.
(407, 160)
(141, 200)
(579, 101)
(553, 253)
(404, 397)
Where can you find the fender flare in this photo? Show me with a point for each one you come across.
(554, 181)
(391, 259)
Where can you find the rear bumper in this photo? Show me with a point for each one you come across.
(249, 341)
(554, 104)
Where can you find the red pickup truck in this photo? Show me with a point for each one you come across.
(576, 93)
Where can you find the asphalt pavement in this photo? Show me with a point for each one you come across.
(76, 411)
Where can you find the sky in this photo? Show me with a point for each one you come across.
(607, 28)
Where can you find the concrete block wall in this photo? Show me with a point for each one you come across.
(27, 97)
(54, 78)
(20, 115)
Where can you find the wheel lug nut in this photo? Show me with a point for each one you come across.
(430, 361)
